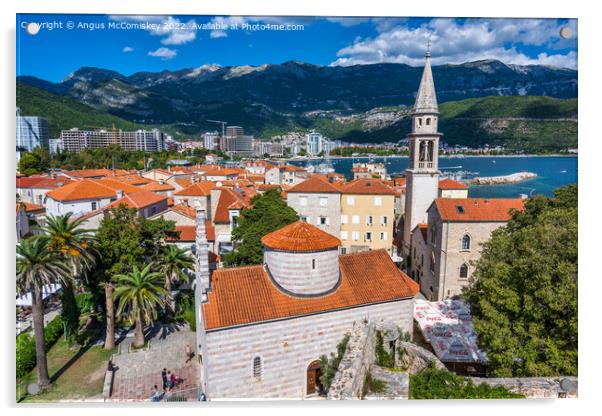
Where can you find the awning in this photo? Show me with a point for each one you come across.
(47, 290)
(447, 326)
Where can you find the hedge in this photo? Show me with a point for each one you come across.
(26, 346)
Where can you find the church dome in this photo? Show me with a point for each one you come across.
(302, 260)
(300, 236)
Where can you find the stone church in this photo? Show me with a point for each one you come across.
(261, 330)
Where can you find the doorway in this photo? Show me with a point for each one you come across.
(313, 378)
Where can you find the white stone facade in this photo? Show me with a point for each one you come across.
(320, 209)
(285, 347)
(308, 273)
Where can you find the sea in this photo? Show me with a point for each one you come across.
(552, 171)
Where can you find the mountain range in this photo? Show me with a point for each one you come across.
(270, 99)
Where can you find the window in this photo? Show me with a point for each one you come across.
(323, 221)
(344, 219)
(369, 220)
(257, 368)
(420, 122)
(350, 200)
(355, 235)
(433, 263)
(428, 121)
(383, 220)
(368, 236)
(323, 202)
(94, 206)
(303, 201)
(343, 250)
(355, 219)
(378, 201)
(466, 242)
(464, 271)
(422, 260)
(344, 235)
(153, 210)
(313, 264)
(383, 236)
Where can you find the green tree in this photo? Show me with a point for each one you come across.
(68, 240)
(172, 262)
(30, 164)
(139, 295)
(523, 293)
(434, 383)
(269, 212)
(36, 267)
(124, 240)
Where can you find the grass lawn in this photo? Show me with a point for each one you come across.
(74, 374)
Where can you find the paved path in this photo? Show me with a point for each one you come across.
(137, 372)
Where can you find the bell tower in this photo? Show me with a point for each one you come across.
(423, 165)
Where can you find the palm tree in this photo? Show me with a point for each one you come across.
(36, 267)
(139, 294)
(69, 240)
(173, 261)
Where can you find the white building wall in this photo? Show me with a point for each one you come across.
(286, 348)
(421, 191)
(312, 209)
(80, 207)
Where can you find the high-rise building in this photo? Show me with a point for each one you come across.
(422, 173)
(32, 132)
(234, 131)
(314, 143)
(236, 142)
(76, 140)
(211, 140)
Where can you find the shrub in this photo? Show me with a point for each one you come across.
(185, 308)
(383, 358)
(330, 366)
(26, 346)
(374, 385)
(433, 383)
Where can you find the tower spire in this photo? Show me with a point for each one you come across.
(426, 98)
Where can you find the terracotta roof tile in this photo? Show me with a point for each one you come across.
(82, 189)
(315, 184)
(447, 183)
(42, 182)
(185, 210)
(138, 200)
(202, 188)
(188, 232)
(154, 186)
(33, 207)
(227, 200)
(246, 295)
(117, 185)
(367, 186)
(477, 209)
(300, 236)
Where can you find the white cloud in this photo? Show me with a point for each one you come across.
(163, 53)
(456, 42)
(127, 49)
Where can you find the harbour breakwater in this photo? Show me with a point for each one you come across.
(497, 180)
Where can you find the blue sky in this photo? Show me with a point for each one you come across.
(156, 43)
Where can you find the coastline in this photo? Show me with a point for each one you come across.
(300, 159)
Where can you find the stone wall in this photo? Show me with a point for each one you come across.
(533, 387)
(356, 363)
(286, 348)
(415, 358)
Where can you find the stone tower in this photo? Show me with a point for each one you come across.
(202, 286)
(423, 170)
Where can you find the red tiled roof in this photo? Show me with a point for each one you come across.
(117, 185)
(157, 187)
(95, 173)
(83, 189)
(42, 182)
(188, 232)
(315, 184)
(185, 210)
(300, 236)
(291, 168)
(228, 199)
(246, 295)
(33, 207)
(138, 200)
(423, 230)
(477, 209)
(135, 180)
(202, 188)
(447, 183)
(367, 186)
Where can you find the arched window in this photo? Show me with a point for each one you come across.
(257, 368)
(464, 271)
(466, 242)
(428, 121)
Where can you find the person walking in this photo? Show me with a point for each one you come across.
(189, 354)
(164, 378)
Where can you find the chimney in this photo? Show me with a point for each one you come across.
(162, 181)
(119, 193)
(194, 179)
(202, 275)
